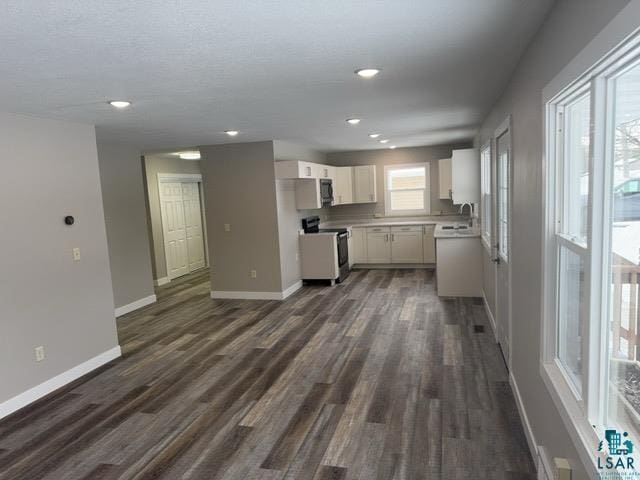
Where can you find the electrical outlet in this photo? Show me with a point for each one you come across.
(76, 254)
(254, 274)
(39, 353)
(227, 227)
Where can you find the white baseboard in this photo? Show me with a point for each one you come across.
(51, 385)
(230, 295)
(528, 431)
(143, 302)
(161, 281)
(490, 315)
(292, 289)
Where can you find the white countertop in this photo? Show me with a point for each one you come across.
(460, 230)
(386, 222)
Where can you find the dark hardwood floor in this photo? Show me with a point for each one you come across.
(376, 378)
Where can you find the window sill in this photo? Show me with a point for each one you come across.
(582, 433)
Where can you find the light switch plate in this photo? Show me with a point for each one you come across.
(76, 254)
(39, 353)
(227, 227)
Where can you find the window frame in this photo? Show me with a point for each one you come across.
(503, 216)
(485, 188)
(426, 190)
(584, 417)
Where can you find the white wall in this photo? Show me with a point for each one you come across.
(50, 169)
(568, 29)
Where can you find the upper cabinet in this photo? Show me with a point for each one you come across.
(364, 184)
(350, 184)
(444, 167)
(343, 186)
(460, 177)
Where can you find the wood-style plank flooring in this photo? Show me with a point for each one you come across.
(376, 378)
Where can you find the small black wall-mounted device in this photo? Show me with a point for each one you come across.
(69, 220)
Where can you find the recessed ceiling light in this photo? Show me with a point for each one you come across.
(368, 72)
(189, 155)
(392, 147)
(119, 103)
(231, 133)
(384, 141)
(353, 121)
(374, 135)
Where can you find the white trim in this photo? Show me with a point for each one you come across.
(53, 384)
(292, 289)
(242, 295)
(142, 302)
(490, 315)
(161, 281)
(528, 431)
(177, 177)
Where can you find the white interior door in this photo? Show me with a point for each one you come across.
(174, 229)
(502, 229)
(193, 225)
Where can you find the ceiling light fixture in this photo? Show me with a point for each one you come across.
(189, 155)
(231, 133)
(353, 121)
(384, 141)
(392, 147)
(119, 103)
(367, 72)
(374, 135)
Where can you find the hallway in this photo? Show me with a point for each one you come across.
(374, 378)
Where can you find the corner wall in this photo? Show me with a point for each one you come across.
(47, 298)
(240, 190)
(569, 27)
(125, 216)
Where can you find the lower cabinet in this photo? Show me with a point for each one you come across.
(429, 244)
(358, 246)
(406, 244)
(388, 245)
(378, 245)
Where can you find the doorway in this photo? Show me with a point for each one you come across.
(182, 223)
(502, 230)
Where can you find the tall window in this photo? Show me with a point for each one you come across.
(503, 163)
(592, 248)
(407, 189)
(485, 191)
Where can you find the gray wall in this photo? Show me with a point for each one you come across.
(383, 157)
(154, 164)
(568, 29)
(240, 189)
(50, 169)
(123, 197)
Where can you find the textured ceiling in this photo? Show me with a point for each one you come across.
(273, 69)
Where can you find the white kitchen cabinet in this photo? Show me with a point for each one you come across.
(378, 245)
(343, 186)
(406, 244)
(325, 171)
(358, 246)
(364, 184)
(428, 244)
(308, 194)
(297, 169)
(465, 176)
(444, 174)
(459, 177)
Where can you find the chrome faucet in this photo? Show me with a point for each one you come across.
(470, 212)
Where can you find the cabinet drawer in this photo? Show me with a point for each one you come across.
(407, 228)
(378, 229)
